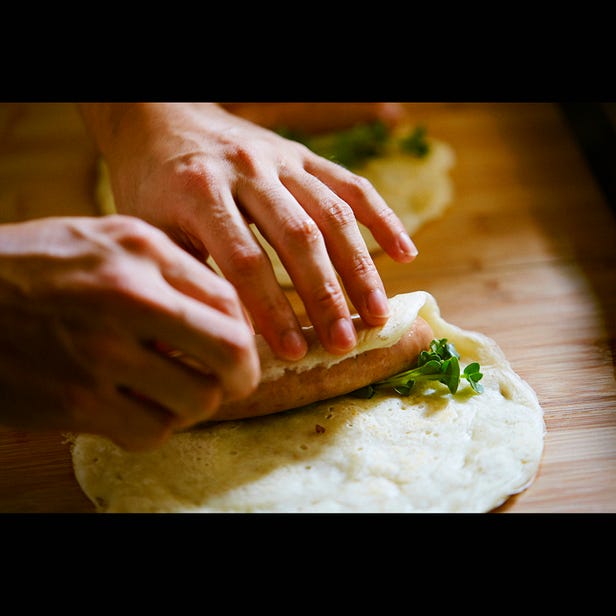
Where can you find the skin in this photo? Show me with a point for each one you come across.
(201, 174)
(84, 304)
(91, 307)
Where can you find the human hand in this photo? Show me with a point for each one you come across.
(202, 174)
(86, 304)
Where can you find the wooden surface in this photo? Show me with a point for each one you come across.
(526, 254)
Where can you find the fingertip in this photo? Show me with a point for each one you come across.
(293, 345)
(407, 250)
(377, 307)
(342, 336)
(392, 113)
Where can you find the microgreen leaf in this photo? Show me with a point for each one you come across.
(364, 392)
(404, 390)
(440, 363)
(451, 372)
(416, 143)
(349, 147)
(473, 376)
(354, 146)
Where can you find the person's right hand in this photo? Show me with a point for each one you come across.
(86, 305)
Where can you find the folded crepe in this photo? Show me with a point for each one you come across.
(429, 451)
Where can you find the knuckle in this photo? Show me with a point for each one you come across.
(116, 284)
(245, 262)
(358, 185)
(245, 157)
(113, 274)
(302, 232)
(132, 234)
(338, 213)
(328, 295)
(361, 265)
(196, 175)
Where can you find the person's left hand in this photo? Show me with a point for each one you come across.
(202, 174)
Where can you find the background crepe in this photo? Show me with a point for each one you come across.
(432, 451)
(417, 188)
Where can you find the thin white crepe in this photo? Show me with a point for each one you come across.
(417, 189)
(429, 452)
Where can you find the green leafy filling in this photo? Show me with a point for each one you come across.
(354, 146)
(415, 143)
(440, 363)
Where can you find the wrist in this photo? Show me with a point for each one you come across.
(112, 125)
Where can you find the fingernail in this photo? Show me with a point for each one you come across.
(406, 245)
(342, 334)
(293, 344)
(377, 304)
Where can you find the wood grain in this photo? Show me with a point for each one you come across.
(526, 253)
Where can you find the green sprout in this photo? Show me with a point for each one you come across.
(440, 363)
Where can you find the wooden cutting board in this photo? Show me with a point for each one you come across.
(526, 253)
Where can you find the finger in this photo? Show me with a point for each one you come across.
(222, 344)
(168, 296)
(369, 207)
(301, 248)
(164, 394)
(132, 422)
(190, 395)
(245, 264)
(195, 279)
(345, 245)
